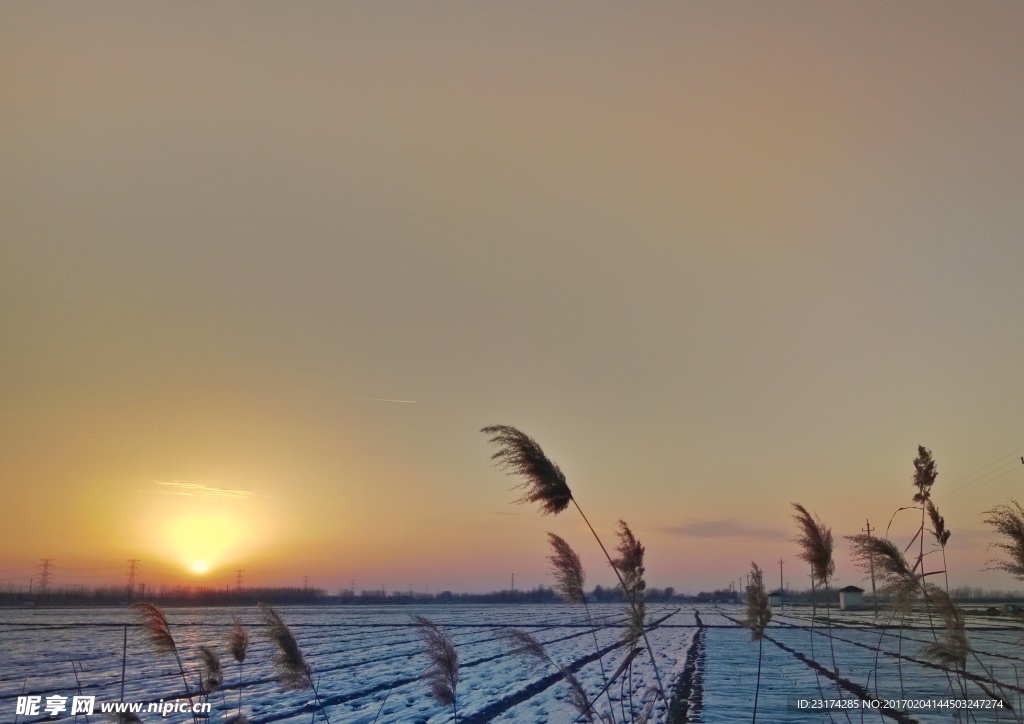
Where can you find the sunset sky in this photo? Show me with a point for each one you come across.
(266, 269)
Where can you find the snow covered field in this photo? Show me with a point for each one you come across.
(360, 655)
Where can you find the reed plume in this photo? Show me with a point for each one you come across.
(925, 472)
(899, 582)
(939, 529)
(1008, 520)
(569, 582)
(238, 640)
(238, 719)
(443, 675)
(759, 614)
(521, 643)
(816, 543)
(126, 717)
(155, 622)
(214, 675)
(630, 565)
(952, 647)
(544, 483)
(293, 673)
(519, 454)
(567, 570)
(238, 646)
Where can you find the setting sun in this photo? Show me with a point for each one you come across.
(199, 566)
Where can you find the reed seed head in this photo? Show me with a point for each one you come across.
(213, 675)
(521, 643)
(293, 673)
(759, 612)
(630, 565)
(518, 454)
(815, 540)
(442, 677)
(951, 647)
(567, 569)
(238, 640)
(155, 621)
(899, 582)
(1008, 520)
(939, 529)
(925, 472)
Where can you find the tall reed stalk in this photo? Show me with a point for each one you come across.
(569, 582)
(443, 675)
(759, 615)
(816, 546)
(544, 483)
(293, 673)
(238, 646)
(155, 621)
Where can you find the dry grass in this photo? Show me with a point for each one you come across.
(442, 677)
(519, 454)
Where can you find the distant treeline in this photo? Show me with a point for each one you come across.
(199, 596)
(163, 595)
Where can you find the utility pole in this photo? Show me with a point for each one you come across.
(871, 560)
(513, 583)
(782, 597)
(131, 576)
(238, 579)
(44, 576)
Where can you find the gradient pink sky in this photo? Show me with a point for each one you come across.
(714, 257)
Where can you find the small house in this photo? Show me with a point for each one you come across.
(775, 598)
(851, 597)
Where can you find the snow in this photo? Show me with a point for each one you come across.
(361, 655)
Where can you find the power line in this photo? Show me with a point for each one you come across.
(964, 482)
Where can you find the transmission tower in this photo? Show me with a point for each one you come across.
(238, 580)
(131, 575)
(44, 574)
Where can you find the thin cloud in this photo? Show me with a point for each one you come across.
(725, 528)
(183, 487)
(386, 399)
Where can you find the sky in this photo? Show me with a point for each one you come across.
(266, 270)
